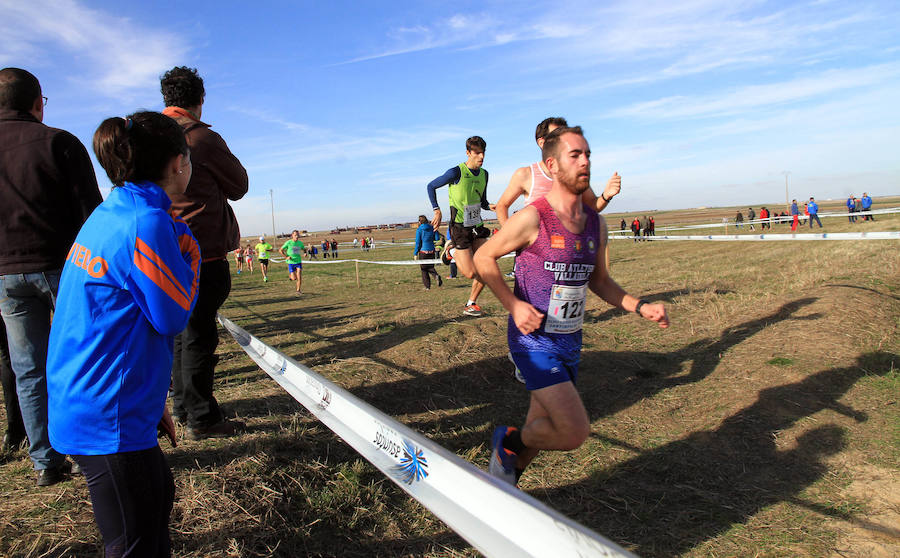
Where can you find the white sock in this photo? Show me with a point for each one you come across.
(470, 303)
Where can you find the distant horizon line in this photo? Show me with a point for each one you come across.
(616, 213)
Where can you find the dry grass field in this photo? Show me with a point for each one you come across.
(764, 422)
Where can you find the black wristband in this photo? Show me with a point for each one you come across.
(602, 197)
(637, 309)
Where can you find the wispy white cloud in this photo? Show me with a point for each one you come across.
(469, 32)
(270, 118)
(868, 107)
(753, 97)
(280, 152)
(109, 55)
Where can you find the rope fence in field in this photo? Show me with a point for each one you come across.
(874, 235)
(884, 235)
(775, 219)
(626, 235)
(494, 517)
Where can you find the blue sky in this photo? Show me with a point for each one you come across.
(347, 109)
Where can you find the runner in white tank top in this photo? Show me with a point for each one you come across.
(540, 184)
(534, 181)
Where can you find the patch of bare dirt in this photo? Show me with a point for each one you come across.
(877, 534)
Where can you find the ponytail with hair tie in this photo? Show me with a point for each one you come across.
(138, 153)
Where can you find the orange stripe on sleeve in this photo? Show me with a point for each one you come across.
(156, 275)
(152, 256)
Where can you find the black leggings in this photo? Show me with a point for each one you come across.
(132, 495)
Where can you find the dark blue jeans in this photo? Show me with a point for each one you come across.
(132, 495)
(26, 301)
(816, 217)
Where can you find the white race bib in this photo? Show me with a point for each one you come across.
(295, 250)
(566, 311)
(472, 215)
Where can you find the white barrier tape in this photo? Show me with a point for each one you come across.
(494, 517)
(396, 262)
(774, 219)
(402, 262)
(881, 235)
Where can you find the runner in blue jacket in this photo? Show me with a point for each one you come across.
(128, 287)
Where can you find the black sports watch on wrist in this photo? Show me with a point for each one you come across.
(637, 309)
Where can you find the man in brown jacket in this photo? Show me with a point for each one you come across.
(217, 177)
(48, 189)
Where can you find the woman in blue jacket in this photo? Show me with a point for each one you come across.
(424, 250)
(128, 287)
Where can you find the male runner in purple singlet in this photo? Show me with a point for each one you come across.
(562, 246)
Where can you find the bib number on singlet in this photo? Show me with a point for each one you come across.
(565, 313)
(472, 215)
(295, 250)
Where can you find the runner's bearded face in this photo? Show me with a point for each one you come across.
(474, 159)
(573, 165)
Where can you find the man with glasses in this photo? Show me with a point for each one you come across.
(49, 189)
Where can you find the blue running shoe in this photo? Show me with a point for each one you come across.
(503, 461)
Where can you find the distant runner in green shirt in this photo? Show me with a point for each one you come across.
(468, 197)
(293, 251)
(262, 251)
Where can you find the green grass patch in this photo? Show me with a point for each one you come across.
(780, 361)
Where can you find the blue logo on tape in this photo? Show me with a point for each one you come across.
(413, 465)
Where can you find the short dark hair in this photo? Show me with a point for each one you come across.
(544, 127)
(18, 89)
(422, 219)
(475, 143)
(182, 87)
(138, 147)
(552, 140)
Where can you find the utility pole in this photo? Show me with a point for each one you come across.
(787, 198)
(272, 199)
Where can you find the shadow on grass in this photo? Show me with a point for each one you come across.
(873, 291)
(609, 382)
(325, 503)
(340, 345)
(595, 316)
(262, 406)
(484, 392)
(669, 499)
